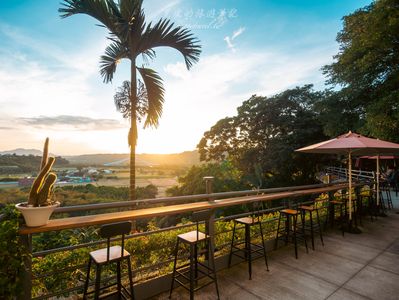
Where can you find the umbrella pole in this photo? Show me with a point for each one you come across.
(351, 228)
(350, 186)
(378, 180)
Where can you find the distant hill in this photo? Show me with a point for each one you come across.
(22, 151)
(14, 164)
(186, 158)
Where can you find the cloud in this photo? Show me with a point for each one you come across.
(238, 32)
(67, 122)
(229, 43)
(229, 40)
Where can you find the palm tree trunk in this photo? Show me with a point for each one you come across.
(133, 130)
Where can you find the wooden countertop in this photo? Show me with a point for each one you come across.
(98, 219)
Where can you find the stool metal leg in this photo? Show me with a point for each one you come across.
(129, 269)
(287, 229)
(174, 268)
(98, 280)
(192, 279)
(263, 244)
(295, 217)
(87, 279)
(318, 222)
(196, 263)
(212, 259)
(278, 231)
(118, 278)
(248, 249)
(311, 228)
(232, 243)
(303, 232)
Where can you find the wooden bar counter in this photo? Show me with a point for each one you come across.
(98, 219)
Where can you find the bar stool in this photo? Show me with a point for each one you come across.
(192, 239)
(249, 248)
(359, 205)
(385, 188)
(382, 205)
(372, 205)
(285, 233)
(110, 255)
(311, 227)
(332, 210)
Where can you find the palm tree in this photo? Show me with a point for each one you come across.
(130, 38)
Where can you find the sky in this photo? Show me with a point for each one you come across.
(50, 85)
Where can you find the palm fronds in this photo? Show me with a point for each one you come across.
(164, 33)
(155, 94)
(108, 62)
(105, 11)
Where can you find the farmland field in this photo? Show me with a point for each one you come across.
(162, 177)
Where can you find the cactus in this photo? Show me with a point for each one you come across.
(44, 182)
(44, 195)
(45, 154)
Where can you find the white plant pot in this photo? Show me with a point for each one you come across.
(36, 216)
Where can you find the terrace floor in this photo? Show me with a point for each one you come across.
(357, 266)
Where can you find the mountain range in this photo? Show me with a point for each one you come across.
(186, 158)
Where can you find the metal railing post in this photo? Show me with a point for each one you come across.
(210, 225)
(26, 243)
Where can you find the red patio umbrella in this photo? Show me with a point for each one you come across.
(354, 144)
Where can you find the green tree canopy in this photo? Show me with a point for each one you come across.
(262, 137)
(226, 178)
(366, 72)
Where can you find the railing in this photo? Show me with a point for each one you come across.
(343, 173)
(285, 194)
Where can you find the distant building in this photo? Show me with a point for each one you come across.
(27, 181)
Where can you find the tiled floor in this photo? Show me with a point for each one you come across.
(357, 266)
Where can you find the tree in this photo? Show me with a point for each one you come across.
(262, 137)
(226, 178)
(366, 71)
(131, 38)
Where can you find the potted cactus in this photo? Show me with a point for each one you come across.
(40, 205)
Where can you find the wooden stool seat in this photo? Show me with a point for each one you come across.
(191, 237)
(307, 208)
(247, 221)
(337, 202)
(100, 256)
(289, 211)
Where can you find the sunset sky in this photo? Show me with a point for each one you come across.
(50, 83)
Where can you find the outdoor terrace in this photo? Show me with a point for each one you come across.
(356, 266)
(350, 267)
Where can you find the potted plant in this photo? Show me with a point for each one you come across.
(40, 205)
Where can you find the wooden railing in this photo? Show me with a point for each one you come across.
(359, 175)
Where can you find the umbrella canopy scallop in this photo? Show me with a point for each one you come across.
(354, 143)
